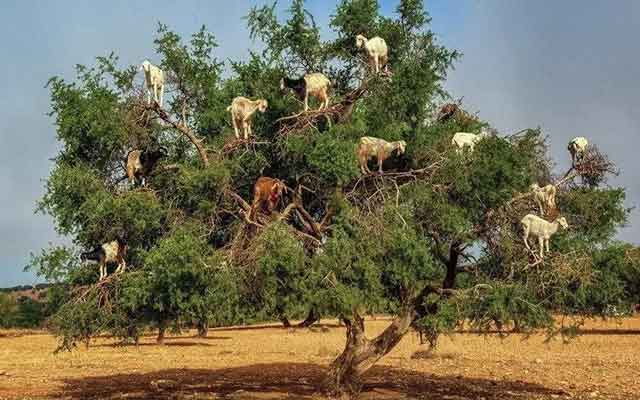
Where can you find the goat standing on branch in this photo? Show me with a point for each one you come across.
(464, 140)
(446, 112)
(377, 51)
(315, 84)
(577, 147)
(153, 79)
(112, 252)
(370, 147)
(542, 229)
(545, 197)
(242, 109)
(141, 163)
(266, 192)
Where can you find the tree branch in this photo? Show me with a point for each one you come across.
(452, 266)
(182, 128)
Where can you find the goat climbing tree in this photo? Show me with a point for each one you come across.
(434, 241)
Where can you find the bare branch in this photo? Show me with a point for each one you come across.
(182, 128)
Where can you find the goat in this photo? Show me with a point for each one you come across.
(464, 139)
(140, 164)
(111, 252)
(315, 84)
(542, 229)
(266, 191)
(577, 147)
(241, 110)
(370, 147)
(446, 112)
(377, 51)
(153, 79)
(544, 196)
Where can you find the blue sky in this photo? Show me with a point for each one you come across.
(569, 67)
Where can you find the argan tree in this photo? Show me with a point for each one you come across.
(434, 241)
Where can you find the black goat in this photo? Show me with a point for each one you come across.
(298, 86)
(140, 164)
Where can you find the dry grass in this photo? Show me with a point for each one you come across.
(275, 363)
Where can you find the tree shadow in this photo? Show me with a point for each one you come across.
(290, 381)
(196, 337)
(275, 326)
(166, 343)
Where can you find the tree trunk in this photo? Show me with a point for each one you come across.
(285, 322)
(311, 319)
(162, 327)
(452, 266)
(132, 332)
(344, 377)
(203, 329)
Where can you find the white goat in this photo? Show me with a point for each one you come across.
(370, 147)
(242, 109)
(544, 196)
(542, 229)
(154, 80)
(377, 51)
(577, 147)
(464, 139)
(315, 84)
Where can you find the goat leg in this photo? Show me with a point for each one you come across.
(541, 244)
(121, 267)
(235, 126)
(526, 242)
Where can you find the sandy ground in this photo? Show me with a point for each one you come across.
(277, 363)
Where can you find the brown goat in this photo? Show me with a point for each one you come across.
(447, 111)
(266, 191)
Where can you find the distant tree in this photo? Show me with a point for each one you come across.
(22, 312)
(434, 242)
(8, 309)
(30, 313)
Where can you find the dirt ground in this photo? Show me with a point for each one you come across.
(277, 363)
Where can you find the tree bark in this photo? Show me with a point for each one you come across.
(203, 329)
(285, 322)
(344, 377)
(162, 327)
(452, 266)
(311, 319)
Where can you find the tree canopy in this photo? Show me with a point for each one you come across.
(435, 241)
